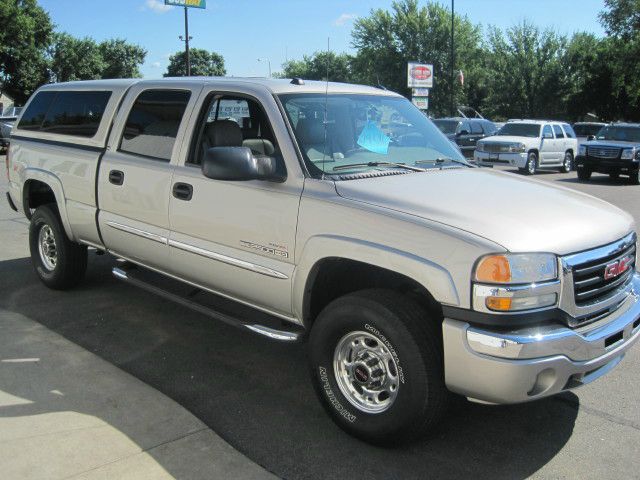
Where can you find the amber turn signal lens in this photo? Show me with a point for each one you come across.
(494, 269)
(500, 304)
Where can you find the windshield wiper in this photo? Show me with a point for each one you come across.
(440, 161)
(378, 164)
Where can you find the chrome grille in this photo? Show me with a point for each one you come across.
(589, 282)
(603, 152)
(587, 295)
(496, 147)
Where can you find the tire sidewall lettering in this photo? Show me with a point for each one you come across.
(331, 396)
(374, 331)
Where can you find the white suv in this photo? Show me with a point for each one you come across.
(530, 145)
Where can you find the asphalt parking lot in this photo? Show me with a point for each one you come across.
(256, 395)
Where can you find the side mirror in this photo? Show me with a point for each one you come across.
(547, 135)
(239, 164)
(591, 137)
(463, 132)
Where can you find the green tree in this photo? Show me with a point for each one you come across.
(25, 33)
(387, 40)
(203, 63)
(75, 58)
(528, 78)
(314, 67)
(121, 59)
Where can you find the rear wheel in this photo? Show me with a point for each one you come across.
(376, 365)
(584, 174)
(532, 163)
(59, 262)
(567, 163)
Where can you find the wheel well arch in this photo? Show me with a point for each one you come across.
(36, 193)
(534, 150)
(333, 277)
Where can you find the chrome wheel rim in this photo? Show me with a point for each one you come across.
(47, 247)
(567, 163)
(532, 164)
(366, 372)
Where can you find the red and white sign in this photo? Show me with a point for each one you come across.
(419, 75)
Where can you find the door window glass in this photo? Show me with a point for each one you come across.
(36, 111)
(558, 131)
(546, 132)
(153, 123)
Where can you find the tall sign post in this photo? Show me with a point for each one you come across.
(187, 4)
(420, 80)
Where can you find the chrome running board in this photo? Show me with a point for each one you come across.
(127, 272)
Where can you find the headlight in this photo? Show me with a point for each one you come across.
(480, 146)
(516, 147)
(582, 150)
(627, 153)
(515, 282)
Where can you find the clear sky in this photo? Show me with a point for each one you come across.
(245, 30)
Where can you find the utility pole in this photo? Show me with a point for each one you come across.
(186, 39)
(453, 108)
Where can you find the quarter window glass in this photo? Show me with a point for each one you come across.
(153, 123)
(558, 131)
(76, 113)
(568, 130)
(36, 111)
(476, 128)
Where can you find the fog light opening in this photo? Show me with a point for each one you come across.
(544, 382)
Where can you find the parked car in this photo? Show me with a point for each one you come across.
(11, 111)
(411, 273)
(585, 131)
(6, 124)
(614, 151)
(530, 145)
(465, 132)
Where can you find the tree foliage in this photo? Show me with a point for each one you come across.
(121, 59)
(314, 67)
(75, 58)
(25, 33)
(203, 63)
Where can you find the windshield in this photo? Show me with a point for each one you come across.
(520, 130)
(365, 132)
(618, 133)
(584, 130)
(448, 127)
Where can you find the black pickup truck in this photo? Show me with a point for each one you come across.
(614, 151)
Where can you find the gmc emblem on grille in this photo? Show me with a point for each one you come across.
(616, 269)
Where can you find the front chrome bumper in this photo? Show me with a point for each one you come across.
(535, 362)
(503, 158)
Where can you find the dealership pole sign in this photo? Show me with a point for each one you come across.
(187, 3)
(419, 75)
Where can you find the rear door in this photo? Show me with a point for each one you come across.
(561, 142)
(136, 172)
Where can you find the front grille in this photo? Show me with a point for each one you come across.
(496, 147)
(589, 282)
(603, 152)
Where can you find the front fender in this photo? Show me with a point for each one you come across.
(50, 179)
(435, 278)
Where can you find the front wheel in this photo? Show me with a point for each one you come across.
(59, 262)
(376, 365)
(584, 174)
(532, 163)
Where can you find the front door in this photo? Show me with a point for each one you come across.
(547, 146)
(236, 238)
(136, 171)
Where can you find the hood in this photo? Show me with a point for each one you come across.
(508, 139)
(611, 143)
(520, 214)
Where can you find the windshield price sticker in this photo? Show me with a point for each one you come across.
(374, 139)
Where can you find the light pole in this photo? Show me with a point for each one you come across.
(186, 39)
(453, 111)
(268, 62)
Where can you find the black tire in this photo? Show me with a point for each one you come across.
(567, 163)
(531, 166)
(583, 174)
(415, 342)
(634, 178)
(70, 258)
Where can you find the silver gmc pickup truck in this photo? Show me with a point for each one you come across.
(338, 214)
